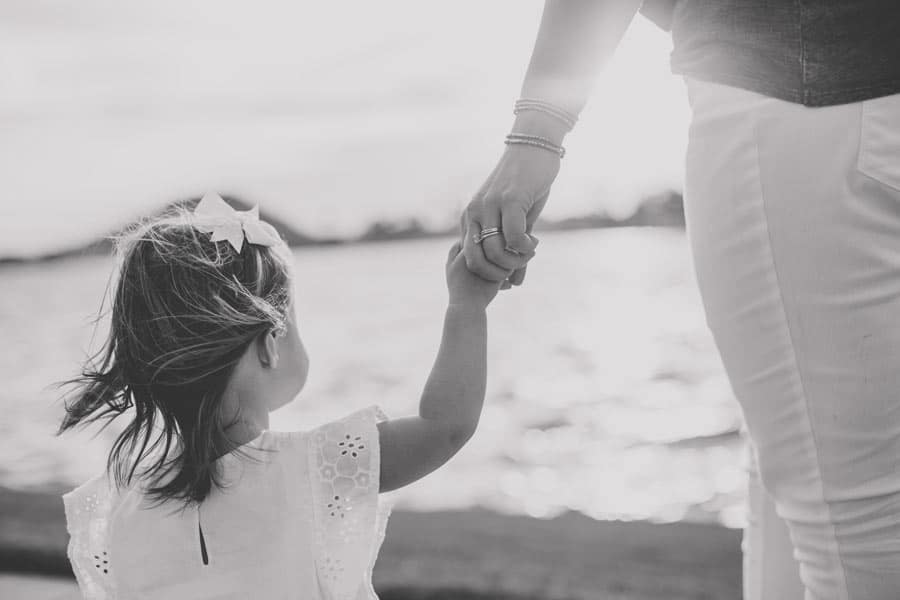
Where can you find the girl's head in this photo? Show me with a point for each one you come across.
(198, 332)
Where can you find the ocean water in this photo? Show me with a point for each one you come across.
(605, 392)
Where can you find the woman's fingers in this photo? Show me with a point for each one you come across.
(512, 249)
(495, 251)
(500, 257)
(515, 231)
(475, 258)
(518, 276)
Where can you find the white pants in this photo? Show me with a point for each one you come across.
(793, 216)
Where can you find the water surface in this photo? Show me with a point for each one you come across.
(605, 393)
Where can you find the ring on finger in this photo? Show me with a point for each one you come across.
(486, 233)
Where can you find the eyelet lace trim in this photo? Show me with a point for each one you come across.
(87, 519)
(344, 463)
(350, 522)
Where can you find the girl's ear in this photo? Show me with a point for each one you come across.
(267, 349)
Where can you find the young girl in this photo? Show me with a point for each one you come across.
(202, 500)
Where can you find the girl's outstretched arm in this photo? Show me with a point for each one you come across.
(451, 402)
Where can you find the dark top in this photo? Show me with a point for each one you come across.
(813, 52)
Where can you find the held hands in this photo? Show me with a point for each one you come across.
(512, 198)
(466, 289)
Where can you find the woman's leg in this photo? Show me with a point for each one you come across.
(770, 571)
(797, 254)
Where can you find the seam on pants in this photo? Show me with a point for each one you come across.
(840, 575)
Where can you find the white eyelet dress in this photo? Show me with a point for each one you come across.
(299, 517)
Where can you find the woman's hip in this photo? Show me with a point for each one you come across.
(794, 220)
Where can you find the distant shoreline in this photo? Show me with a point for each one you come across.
(472, 554)
(662, 210)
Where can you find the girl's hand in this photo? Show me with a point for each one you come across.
(466, 289)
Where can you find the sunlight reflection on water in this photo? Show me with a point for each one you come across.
(605, 393)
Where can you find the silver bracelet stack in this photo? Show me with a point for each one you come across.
(536, 141)
(525, 104)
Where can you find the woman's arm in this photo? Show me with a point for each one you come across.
(451, 402)
(575, 38)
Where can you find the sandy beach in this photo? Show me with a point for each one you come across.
(451, 554)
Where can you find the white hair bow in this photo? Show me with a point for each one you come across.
(214, 215)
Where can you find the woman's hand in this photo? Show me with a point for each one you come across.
(512, 198)
(574, 39)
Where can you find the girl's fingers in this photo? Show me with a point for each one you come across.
(455, 249)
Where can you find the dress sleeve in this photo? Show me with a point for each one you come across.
(344, 467)
(87, 520)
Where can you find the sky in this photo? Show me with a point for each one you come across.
(330, 115)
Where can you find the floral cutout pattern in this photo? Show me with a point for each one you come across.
(351, 446)
(104, 560)
(344, 468)
(87, 518)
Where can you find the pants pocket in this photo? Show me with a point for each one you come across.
(879, 141)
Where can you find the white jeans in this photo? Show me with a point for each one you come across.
(793, 216)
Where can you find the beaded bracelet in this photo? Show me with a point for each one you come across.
(536, 141)
(525, 104)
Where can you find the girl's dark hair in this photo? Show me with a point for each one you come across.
(183, 312)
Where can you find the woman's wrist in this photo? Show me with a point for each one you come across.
(532, 122)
